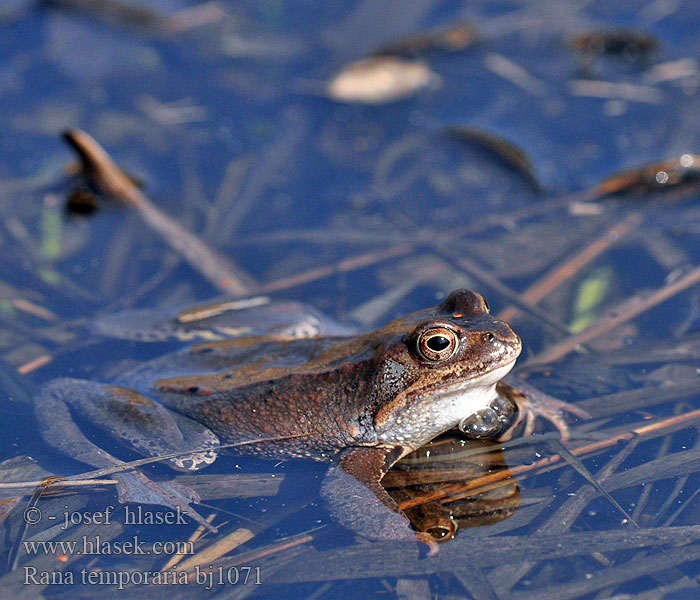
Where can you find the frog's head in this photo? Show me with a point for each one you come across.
(438, 366)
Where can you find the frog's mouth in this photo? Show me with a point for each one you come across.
(466, 395)
(434, 410)
(492, 377)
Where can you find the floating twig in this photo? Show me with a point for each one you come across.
(453, 38)
(655, 177)
(517, 75)
(35, 364)
(113, 182)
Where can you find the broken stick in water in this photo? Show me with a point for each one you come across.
(113, 182)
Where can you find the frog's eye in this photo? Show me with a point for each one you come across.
(437, 344)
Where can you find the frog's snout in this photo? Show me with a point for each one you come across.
(502, 334)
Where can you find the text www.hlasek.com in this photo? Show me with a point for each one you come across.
(98, 546)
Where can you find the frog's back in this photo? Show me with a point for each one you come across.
(311, 391)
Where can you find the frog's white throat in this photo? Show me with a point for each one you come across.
(438, 410)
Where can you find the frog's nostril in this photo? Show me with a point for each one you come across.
(488, 336)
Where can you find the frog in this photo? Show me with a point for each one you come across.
(358, 402)
(435, 486)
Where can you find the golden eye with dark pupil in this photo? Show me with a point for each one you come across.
(437, 344)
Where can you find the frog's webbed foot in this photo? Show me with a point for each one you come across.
(536, 404)
(134, 420)
(357, 500)
(60, 431)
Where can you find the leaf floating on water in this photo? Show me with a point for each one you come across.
(454, 38)
(81, 202)
(629, 44)
(505, 151)
(381, 79)
(655, 177)
(590, 298)
(631, 48)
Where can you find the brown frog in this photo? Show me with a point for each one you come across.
(360, 402)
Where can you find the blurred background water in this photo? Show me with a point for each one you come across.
(484, 177)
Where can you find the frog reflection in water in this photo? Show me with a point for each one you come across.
(361, 402)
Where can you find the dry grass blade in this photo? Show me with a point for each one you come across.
(516, 74)
(34, 309)
(282, 547)
(111, 180)
(629, 309)
(560, 274)
(619, 91)
(88, 478)
(382, 559)
(343, 266)
(581, 469)
(196, 535)
(216, 550)
(34, 364)
(629, 400)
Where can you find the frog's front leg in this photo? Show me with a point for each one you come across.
(138, 422)
(536, 404)
(356, 498)
(510, 407)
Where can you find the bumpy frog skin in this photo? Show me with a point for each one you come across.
(360, 402)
